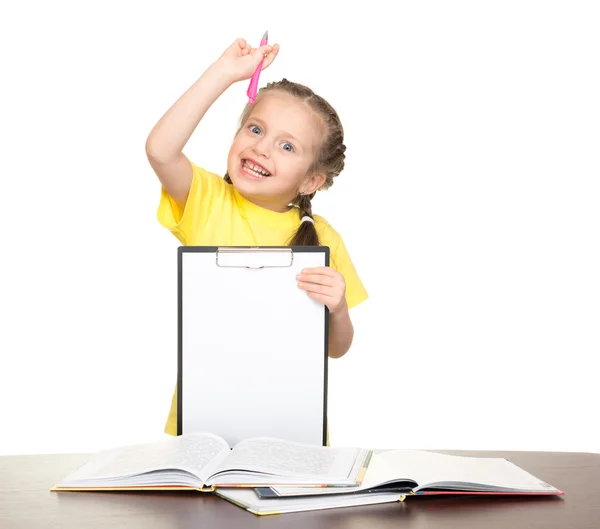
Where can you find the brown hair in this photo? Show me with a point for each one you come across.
(329, 159)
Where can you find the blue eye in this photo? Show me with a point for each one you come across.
(291, 148)
(253, 128)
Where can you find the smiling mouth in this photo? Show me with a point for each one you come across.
(255, 169)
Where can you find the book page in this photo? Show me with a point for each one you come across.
(378, 473)
(286, 458)
(444, 470)
(190, 453)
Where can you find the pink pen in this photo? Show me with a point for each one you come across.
(252, 87)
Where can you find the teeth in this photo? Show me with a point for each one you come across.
(256, 170)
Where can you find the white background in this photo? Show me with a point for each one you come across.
(469, 205)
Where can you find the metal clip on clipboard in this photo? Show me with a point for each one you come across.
(254, 258)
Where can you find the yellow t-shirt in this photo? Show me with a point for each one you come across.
(216, 214)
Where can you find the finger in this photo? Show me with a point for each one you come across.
(325, 270)
(270, 56)
(322, 274)
(317, 279)
(326, 300)
(236, 48)
(261, 51)
(317, 289)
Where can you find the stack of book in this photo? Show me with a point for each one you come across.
(275, 476)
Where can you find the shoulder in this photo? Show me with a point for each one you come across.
(203, 175)
(331, 237)
(207, 187)
(328, 235)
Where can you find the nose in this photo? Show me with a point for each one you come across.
(262, 147)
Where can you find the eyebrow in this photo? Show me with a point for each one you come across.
(286, 133)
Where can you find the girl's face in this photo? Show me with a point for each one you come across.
(270, 157)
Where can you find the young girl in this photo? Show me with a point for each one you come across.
(289, 145)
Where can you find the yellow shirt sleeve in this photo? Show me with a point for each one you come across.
(205, 189)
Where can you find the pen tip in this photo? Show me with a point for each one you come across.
(266, 35)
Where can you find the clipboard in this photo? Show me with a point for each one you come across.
(252, 346)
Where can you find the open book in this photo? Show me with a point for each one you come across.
(204, 461)
(392, 476)
(424, 472)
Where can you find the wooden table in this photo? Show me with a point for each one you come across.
(27, 503)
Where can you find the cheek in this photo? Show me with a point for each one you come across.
(237, 147)
(298, 166)
(233, 157)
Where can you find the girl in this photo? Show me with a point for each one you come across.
(289, 145)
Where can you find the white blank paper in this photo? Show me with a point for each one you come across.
(253, 350)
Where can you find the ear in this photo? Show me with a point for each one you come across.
(312, 183)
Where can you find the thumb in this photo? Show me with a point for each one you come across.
(267, 54)
(262, 51)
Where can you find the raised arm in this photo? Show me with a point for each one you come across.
(169, 136)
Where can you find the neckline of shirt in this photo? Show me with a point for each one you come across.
(276, 219)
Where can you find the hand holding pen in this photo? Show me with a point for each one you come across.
(253, 86)
(240, 61)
